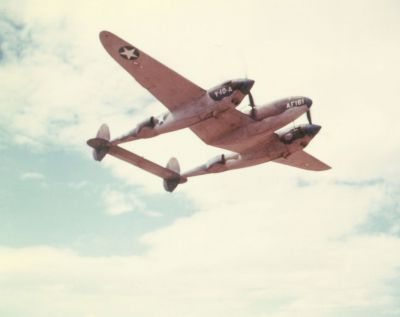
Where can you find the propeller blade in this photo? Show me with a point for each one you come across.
(251, 100)
(309, 117)
(252, 105)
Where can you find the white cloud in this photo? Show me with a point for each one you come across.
(78, 185)
(284, 257)
(24, 140)
(259, 245)
(32, 176)
(117, 203)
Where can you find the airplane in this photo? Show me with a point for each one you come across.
(211, 114)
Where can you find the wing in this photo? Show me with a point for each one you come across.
(167, 86)
(213, 129)
(303, 160)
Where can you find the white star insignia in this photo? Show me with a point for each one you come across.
(129, 53)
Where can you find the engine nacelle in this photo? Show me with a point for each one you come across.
(148, 123)
(144, 129)
(278, 107)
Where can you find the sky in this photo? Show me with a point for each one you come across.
(83, 239)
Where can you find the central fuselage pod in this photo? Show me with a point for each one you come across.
(210, 104)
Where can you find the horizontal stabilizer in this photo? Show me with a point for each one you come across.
(169, 174)
(102, 146)
(301, 159)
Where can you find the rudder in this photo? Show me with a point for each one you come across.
(171, 184)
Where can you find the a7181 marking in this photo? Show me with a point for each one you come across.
(295, 103)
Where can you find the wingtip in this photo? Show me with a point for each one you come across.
(104, 33)
(105, 36)
(325, 168)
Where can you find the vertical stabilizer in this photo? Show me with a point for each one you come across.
(101, 143)
(104, 132)
(171, 183)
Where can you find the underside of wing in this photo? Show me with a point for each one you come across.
(303, 160)
(166, 85)
(213, 129)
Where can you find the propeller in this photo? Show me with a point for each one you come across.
(251, 99)
(309, 117)
(252, 105)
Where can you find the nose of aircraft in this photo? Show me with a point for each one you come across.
(246, 85)
(312, 129)
(308, 102)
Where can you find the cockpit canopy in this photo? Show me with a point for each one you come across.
(292, 135)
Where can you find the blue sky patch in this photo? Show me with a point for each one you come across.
(56, 198)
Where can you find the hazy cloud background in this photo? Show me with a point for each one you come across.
(104, 239)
